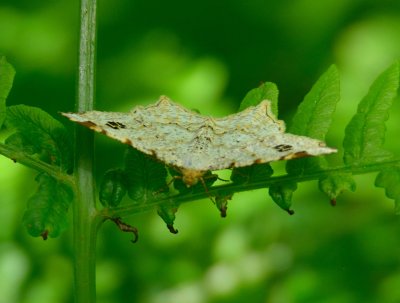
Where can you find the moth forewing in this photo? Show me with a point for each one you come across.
(195, 144)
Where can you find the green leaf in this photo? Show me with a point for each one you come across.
(7, 74)
(221, 201)
(365, 134)
(113, 187)
(252, 173)
(46, 213)
(145, 176)
(39, 133)
(167, 213)
(336, 183)
(17, 140)
(314, 116)
(282, 194)
(389, 180)
(266, 91)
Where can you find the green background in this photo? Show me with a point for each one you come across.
(207, 55)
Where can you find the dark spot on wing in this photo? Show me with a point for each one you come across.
(283, 147)
(115, 124)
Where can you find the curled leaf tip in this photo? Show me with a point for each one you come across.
(136, 236)
(124, 227)
(221, 201)
(45, 234)
(223, 211)
(335, 184)
(167, 212)
(172, 229)
(282, 194)
(46, 211)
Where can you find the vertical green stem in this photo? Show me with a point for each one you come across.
(85, 222)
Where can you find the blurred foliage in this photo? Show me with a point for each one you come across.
(207, 55)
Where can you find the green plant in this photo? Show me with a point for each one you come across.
(65, 175)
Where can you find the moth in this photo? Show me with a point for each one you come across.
(194, 144)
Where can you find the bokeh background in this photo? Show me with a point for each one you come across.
(207, 55)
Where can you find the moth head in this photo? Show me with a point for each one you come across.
(191, 177)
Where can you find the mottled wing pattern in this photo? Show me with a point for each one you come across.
(251, 136)
(164, 129)
(187, 140)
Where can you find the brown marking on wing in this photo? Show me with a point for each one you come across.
(93, 126)
(127, 141)
(300, 154)
(88, 124)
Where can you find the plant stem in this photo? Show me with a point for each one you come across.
(235, 188)
(86, 222)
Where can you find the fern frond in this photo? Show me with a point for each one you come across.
(112, 187)
(266, 91)
(365, 134)
(334, 184)
(281, 194)
(314, 116)
(38, 133)
(389, 179)
(7, 74)
(46, 212)
(145, 176)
